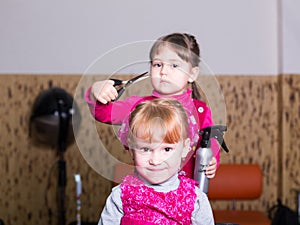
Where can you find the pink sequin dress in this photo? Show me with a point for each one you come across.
(144, 205)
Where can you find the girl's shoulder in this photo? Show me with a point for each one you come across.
(201, 106)
(199, 103)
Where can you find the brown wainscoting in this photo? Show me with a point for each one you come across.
(262, 116)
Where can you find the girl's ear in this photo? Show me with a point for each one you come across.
(194, 74)
(186, 147)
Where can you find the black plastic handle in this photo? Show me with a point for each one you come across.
(214, 132)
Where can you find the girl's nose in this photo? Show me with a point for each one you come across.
(164, 69)
(155, 158)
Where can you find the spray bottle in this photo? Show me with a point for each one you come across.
(204, 153)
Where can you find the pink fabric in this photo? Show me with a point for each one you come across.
(112, 112)
(129, 221)
(143, 205)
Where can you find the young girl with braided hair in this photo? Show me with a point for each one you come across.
(174, 68)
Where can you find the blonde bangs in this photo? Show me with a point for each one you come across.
(156, 129)
(164, 123)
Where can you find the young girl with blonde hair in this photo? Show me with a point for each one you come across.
(156, 194)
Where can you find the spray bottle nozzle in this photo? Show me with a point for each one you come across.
(215, 132)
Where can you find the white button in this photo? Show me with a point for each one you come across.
(200, 110)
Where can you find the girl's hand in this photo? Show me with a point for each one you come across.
(211, 169)
(104, 91)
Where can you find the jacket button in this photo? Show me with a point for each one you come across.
(200, 110)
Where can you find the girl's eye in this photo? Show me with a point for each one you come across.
(145, 149)
(174, 65)
(168, 149)
(156, 64)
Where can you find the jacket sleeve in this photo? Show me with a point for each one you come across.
(112, 112)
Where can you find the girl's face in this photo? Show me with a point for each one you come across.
(156, 162)
(169, 73)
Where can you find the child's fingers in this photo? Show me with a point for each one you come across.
(106, 97)
(213, 161)
(103, 99)
(210, 172)
(210, 176)
(211, 169)
(111, 94)
(104, 91)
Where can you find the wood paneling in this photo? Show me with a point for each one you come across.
(262, 115)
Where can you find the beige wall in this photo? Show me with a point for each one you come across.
(263, 127)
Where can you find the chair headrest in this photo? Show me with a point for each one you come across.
(236, 181)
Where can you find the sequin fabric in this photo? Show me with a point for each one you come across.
(144, 205)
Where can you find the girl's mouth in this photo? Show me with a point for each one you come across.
(163, 80)
(155, 169)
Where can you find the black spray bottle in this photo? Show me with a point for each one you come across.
(204, 153)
